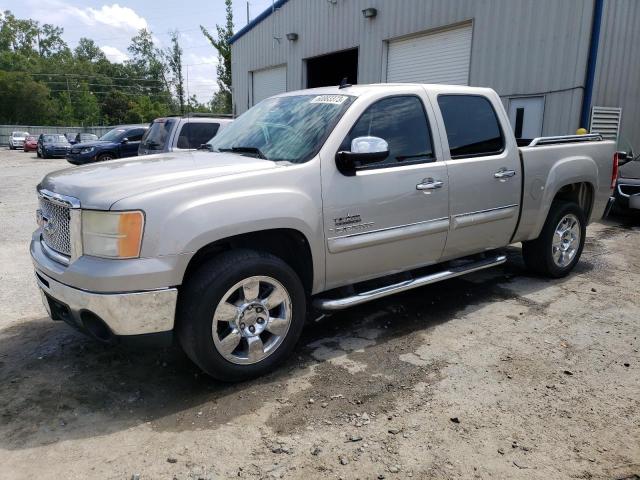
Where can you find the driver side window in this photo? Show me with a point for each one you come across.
(402, 122)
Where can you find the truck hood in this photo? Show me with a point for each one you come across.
(99, 185)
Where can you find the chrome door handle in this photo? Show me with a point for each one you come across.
(429, 184)
(504, 173)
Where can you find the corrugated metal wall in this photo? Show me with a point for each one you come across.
(617, 82)
(6, 130)
(520, 47)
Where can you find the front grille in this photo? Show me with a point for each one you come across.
(55, 228)
(630, 189)
(75, 150)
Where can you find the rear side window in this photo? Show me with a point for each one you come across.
(194, 134)
(136, 135)
(472, 126)
(402, 122)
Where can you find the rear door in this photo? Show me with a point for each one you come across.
(393, 215)
(484, 173)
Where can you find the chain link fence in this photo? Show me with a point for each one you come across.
(6, 130)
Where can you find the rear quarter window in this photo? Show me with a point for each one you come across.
(472, 126)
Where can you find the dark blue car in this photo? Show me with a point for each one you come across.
(120, 142)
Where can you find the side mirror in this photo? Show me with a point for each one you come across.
(124, 140)
(623, 157)
(364, 151)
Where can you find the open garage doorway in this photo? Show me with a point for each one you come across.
(330, 69)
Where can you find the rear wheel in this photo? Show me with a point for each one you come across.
(558, 248)
(241, 314)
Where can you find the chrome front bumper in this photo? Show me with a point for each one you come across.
(129, 313)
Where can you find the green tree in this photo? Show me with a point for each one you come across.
(115, 107)
(24, 101)
(222, 102)
(89, 51)
(50, 41)
(85, 106)
(173, 55)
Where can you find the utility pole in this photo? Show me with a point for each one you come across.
(248, 16)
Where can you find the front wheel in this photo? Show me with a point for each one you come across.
(105, 157)
(241, 314)
(558, 248)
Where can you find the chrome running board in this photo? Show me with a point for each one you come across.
(346, 302)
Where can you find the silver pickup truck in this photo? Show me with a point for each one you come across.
(317, 199)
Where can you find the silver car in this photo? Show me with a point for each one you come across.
(17, 139)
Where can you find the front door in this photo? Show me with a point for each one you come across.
(393, 215)
(484, 175)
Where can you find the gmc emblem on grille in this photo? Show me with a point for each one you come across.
(48, 227)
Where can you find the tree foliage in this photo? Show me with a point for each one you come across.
(221, 102)
(43, 81)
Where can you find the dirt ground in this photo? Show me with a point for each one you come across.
(495, 375)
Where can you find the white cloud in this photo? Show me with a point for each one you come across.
(112, 15)
(113, 54)
(115, 16)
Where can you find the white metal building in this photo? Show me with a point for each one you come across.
(551, 61)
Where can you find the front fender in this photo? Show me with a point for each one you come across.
(183, 219)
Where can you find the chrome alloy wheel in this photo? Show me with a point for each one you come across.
(566, 240)
(251, 320)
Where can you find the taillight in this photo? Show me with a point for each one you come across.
(614, 171)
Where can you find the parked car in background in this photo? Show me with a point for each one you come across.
(307, 197)
(627, 191)
(30, 143)
(120, 142)
(187, 132)
(52, 145)
(84, 138)
(16, 140)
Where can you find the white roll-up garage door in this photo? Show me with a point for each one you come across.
(440, 57)
(268, 82)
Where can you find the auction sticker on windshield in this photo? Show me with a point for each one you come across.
(333, 99)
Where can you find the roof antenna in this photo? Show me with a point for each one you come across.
(344, 84)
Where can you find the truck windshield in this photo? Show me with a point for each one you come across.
(156, 137)
(291, 128)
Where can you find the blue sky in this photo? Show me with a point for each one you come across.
(112, 24)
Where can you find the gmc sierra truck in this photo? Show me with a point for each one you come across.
(315, 200)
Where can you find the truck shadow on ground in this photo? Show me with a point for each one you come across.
(57, 385)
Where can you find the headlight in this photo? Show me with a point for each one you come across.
(87, 149)
(112, 234)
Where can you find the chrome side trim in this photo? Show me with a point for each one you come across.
(131, 313)
(75, 233)
(63, 200)
(483, 216)
(592, 137)
(385, 235)
(53, 255)
(340, 303)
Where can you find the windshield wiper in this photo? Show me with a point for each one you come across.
(255, 150)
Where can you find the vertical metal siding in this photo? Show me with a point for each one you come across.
(519, 47)
(617, 82)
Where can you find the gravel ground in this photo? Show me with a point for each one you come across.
(495, 375)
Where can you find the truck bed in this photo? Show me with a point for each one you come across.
(547, 161)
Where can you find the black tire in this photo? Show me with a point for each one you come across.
(538, 253)
(206, 287)
(105, 157)
(38, 154)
